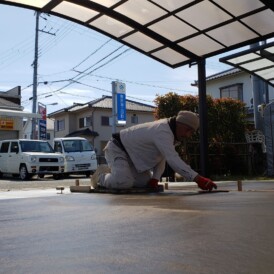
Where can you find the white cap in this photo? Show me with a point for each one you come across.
(188, 118)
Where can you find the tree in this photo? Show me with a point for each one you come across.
(226, 116)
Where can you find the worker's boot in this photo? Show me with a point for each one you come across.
(99, 174)
(153, 183)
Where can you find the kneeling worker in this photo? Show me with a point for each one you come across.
(137, 155)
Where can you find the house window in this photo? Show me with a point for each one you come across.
(104, 120)
(85, 122)
(233, 92)
(134, 119)
(60, 125)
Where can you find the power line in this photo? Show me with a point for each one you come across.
(141, 84)
(101, 89)
(46, 45)
(78, 77)
(85, 59)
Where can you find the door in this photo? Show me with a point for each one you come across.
(4, 155)
(13, 158)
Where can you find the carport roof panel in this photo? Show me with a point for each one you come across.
(174, 32)
(258, 61)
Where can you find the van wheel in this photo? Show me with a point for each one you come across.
(56, 176)
(1, 174)
(87, 174)
(23, 172)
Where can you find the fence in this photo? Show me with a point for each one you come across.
(227, 158)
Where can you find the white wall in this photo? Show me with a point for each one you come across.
(213, 86)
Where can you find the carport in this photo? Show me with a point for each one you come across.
(173, 32)
(259, 62)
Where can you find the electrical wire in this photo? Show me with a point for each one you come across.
(47, 44)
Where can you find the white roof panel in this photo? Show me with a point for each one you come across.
(162, 29)
(257, 61)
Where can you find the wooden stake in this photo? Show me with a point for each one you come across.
(240, 186)
(61, 188)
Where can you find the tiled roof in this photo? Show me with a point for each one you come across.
(220, 75)
(223, 74)
(106, 102)
(76, 107)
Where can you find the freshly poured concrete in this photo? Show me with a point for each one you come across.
(178, 231)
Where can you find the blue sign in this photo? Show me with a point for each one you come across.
(121, 108)
(42, 129)
(119, 103)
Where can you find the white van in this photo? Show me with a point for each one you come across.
(25, 158)
(80, 157)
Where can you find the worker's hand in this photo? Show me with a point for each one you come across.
(205, 183)
(153, 183)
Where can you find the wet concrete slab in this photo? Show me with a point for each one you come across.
(178, 231)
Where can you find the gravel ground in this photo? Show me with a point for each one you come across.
(9, 183)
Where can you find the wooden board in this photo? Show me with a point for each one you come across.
(212, 191)
(128, 191)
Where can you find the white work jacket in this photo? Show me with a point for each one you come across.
(150, 145)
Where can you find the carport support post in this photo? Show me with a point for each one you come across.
(203, 118)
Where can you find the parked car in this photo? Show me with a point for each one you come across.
(25, 158)
(80, 157)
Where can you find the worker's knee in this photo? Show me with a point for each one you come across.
(118, 182)
(122, 184)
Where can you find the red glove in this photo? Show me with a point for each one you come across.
(153, 183)
(205, 183)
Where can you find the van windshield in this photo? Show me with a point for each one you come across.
(36, 146)
(77, 145)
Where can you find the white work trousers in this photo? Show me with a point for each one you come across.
(123, 173)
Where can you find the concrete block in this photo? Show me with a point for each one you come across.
(83, 189)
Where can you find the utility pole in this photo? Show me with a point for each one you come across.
(35, 69)
(35, 64)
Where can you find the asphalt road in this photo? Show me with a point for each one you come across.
(178, 231)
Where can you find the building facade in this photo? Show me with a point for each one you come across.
(237, 84)
(12, 115)
(93, 120)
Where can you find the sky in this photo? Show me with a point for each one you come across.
(67, 49)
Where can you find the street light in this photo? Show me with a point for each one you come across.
(52, 104)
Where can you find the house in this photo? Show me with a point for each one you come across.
(93, 120)
(12, 114)
(237, 84)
